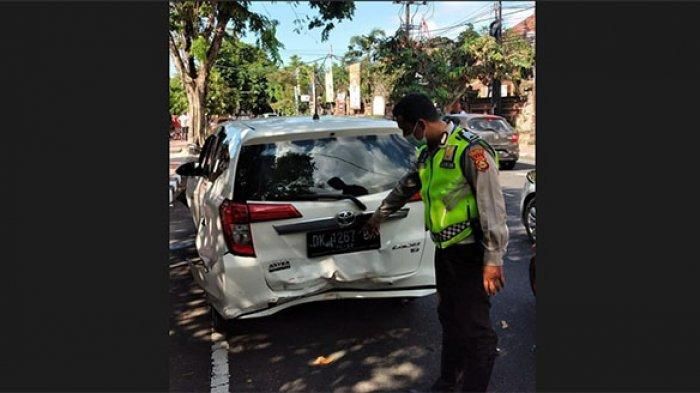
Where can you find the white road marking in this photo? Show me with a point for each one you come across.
(219, 364)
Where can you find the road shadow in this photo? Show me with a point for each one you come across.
(520, 166)
(189, 321)
(373, 345)
(513, 312)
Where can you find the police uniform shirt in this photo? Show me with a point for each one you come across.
(481, 172)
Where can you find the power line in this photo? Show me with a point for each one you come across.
(476, 14)
(506, 14)
(481, 14)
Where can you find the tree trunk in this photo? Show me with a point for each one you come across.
(456, 97)
(196, 98)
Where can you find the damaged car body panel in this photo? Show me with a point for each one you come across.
(279, 209)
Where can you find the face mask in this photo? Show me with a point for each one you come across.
(418, 143)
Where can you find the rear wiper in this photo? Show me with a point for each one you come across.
(315, 197)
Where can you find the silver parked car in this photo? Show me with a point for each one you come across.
(496, 131)
(527, 206)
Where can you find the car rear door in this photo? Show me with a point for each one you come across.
(214, 188)
(321, 243)
(195, 184)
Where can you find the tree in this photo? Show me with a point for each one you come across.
(203, 25)
(281, 86)
(178, 98)
(442, 68)
(245, 69)
(366, 50)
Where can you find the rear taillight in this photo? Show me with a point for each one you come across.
(268, 212)
(235, 222)
(416, 197)
(236, 219)
(514, 137)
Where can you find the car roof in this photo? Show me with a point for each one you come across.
(282, 125)
(473, 115)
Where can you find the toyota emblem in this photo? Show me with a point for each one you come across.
(345, 218)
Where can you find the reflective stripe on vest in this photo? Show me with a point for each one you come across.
(450, 204)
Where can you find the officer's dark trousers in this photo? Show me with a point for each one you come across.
(468, 340)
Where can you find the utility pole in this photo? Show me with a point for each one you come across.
(406, 23)
(408, 20)
(495, 30)
(313, 90)
(297, 91)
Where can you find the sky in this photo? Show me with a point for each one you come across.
(377, 14)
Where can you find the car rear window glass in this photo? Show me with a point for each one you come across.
(489, 124)
(357, 165)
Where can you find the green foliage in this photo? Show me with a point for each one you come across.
(178, 98)
(244, 70)
(281, 86)
(219, 95)
(376, 77)
(328, 12)
(341, 78)
(222, 75)
(440, 67)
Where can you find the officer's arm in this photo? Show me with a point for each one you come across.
(482, 172)
(404, 190)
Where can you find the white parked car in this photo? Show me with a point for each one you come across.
(527, 206)
(278, 205)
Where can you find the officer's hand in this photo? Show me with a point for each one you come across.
(371, 227)
(494, 279)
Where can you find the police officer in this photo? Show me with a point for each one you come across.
(457, 176)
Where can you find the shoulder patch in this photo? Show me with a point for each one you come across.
(477, 155)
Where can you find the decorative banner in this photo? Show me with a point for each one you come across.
(378, 106)
(354, 79)
(329, 84)
(340, 103)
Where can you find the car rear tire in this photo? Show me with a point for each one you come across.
(508, 165)
(530, 219)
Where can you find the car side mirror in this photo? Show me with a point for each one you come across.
(189, 169)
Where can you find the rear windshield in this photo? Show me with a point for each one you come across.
(489, 124)
(356, 166)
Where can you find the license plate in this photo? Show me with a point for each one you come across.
(339, 241)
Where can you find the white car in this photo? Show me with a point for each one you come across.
(278, 205)
(527, 206)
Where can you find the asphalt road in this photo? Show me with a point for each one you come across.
(381, 345)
